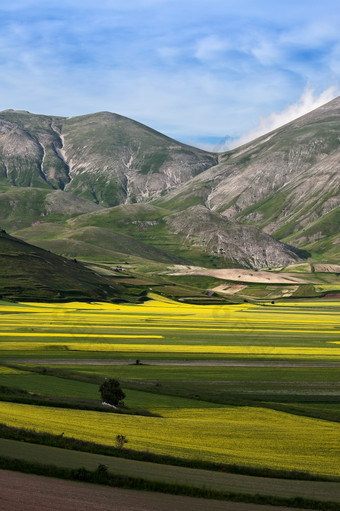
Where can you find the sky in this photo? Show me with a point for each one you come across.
(212, 73)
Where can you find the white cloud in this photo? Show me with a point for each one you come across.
(307, 102)
(266, 52)
(209, 47)
(191, 69)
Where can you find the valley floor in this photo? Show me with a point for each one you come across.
(251, 388)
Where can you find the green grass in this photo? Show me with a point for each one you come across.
(51, 385)
(170, 474)
(31, 273)
(238, 375)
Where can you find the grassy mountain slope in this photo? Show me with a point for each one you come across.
(29, 272)
(195, 236)
(104, 157)
(22, 207)
(58, 177)
(285, 182)
(114, 160)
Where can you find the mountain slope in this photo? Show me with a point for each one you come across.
(30, 150)
(29, 272)
(60, 176)
(23, 207)
(194, 236)
(282, 182)
(104, 157)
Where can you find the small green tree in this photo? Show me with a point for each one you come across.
(111, 392)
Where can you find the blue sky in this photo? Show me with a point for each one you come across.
(196, 70)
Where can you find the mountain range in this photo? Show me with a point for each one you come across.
(103, 187)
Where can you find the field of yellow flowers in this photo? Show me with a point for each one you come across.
(85, 337)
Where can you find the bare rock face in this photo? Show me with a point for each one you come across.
(242, 244)
(30, 148)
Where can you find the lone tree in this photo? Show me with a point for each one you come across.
(120, 441)
(111, 392)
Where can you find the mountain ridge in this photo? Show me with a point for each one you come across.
(285, 184)
(104, 157)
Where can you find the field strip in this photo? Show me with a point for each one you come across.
(245, 327)
(317, 490)
(29, 492)
(168, 362)
(99, 322)
(70, 334)
(172, 348)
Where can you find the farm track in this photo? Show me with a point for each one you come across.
(28, 492)
(243, 484)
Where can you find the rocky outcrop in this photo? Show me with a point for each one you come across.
(241, 244)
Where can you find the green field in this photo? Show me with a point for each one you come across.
(250, 385)
(166, 473)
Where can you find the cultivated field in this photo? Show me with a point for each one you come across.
(255, 386)
(56, 495)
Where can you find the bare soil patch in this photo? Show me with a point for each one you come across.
(240, 275)
(229, 289)
(28, 492)
(329, 268)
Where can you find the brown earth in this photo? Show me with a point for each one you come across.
(29, 492)
(329, 268)
(229, 289)
(239, 275)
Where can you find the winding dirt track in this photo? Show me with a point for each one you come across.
(28, 492)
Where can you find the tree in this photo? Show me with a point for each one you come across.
(111, 392)
(120, 441)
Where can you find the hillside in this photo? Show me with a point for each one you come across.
(286, 183)
(104, 157)
(31, 273)
(194, 236)
(103, 187)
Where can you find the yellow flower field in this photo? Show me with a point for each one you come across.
(242, 435)
(176, 324)
(172, 348)
(246, 435)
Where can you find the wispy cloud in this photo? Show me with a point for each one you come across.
(210, 47)
(189, 68)
(306, 103)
